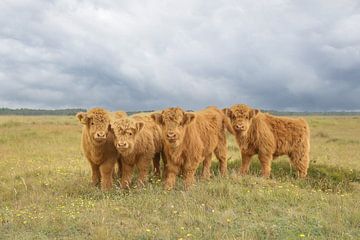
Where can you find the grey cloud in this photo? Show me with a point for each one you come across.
(282, 55)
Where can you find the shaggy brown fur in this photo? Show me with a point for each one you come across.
(157, 131)
(191, 138)
(269, 137)
(138, 140)
(98, 145)
(117, 115)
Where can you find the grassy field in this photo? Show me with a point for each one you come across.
(45, 191)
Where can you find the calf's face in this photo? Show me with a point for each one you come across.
(98, 123)
(125, 134)
(241, 117)
(173, 122)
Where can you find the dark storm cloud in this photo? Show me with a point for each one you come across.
(284, 55)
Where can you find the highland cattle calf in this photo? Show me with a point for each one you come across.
(269, 137)
(138, 141)
(98, 145)
(191, 138)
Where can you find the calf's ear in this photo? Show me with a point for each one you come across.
(254, 112)
(227, 112)
(120, 114)
(139, 126)
(82, 117)
(157, 118)
(188, 118)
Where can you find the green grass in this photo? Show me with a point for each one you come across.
(45, 191)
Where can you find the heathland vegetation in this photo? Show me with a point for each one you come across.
(46, 192)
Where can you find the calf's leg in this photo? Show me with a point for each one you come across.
(245, 163)
(156, 163)
(127, 170)
(265, 160)
(221, 155)
(143, 166)
(171, 173)
(206, 167)
(106, 171)
(95, 177)
(300, 161)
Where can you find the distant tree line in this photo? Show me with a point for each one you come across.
(73, 111)
(54, 112)
(36, 112)
(288, 113)
(135, 112)
(330, 113)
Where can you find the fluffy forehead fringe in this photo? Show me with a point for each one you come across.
(98, 113)
(124, 123)
(240, 109)
(175, 113)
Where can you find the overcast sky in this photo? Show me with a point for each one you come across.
(142, 55)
